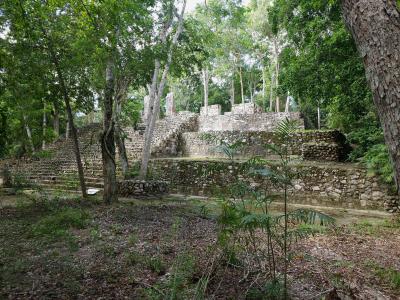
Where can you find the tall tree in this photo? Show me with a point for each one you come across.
(158, 84)
(375, 26)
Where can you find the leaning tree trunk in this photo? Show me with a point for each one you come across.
(375, 26)
(156, 94)
(70, 124)
(107, 139)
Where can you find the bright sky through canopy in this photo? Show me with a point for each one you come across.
(191, 4)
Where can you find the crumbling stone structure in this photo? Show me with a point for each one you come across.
(186, 155)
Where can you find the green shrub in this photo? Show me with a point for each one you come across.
(378, 162)
(156, 265)
(20, 181)
(44, 154)
(60, 222)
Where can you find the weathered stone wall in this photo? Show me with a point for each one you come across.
(212, 110)
(341, 185)
(322, 151)
(245, 108)
(246, 122)
(303, 143)
(141, 188)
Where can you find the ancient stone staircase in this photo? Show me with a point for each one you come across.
(59, 171)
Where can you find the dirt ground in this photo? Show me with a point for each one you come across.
(161, 249)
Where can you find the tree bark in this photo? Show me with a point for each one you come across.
(205, 83)
(119, 137)
(28, 133)
(233, 91)
(71, 125)
(107, 138)
(44, 126)
(241, 84)
(156, 93)
(277, 101)
(287, 106)
(271, 91)
(56, 120)
(375, 26)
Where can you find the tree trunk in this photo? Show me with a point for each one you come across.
(28, 133)
(241, 84)
(205, 83)
(120, 139)
(375, 26)
(156, 94)
(71, 125)
(67, 129)
(277, 104)
(147, 140)
(232, 91)
(107, 139)
(56, 120)
(44, 126)
(287, 106)
(271, 91)
(263, 84)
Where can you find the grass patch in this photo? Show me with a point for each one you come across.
(389, 276)
(59, 223)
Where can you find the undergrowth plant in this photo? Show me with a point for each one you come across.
(252, 236)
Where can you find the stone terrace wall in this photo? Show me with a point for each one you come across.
(313, 145)
(212, 110)
(141, 188)
(246, 122)
(245, 108)
(341, 185)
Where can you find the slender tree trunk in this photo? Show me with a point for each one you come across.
(287, 106)
(319, 117)
(241, 84)
(271, 92)
(107, 139)
(44, 126)
(232, 91)
(28, 133)
(263, 84)
(205, 83)
(67, 129)
(156, 94)
(56, 120)
(148, 132)
(120, 139)
(71, 124)
(251, 91)
(277, 101)
(375, 26)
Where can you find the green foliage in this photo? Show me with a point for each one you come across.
(389, 276)
(156, 265)
(43, 154)
(248, 225)
(21, 181)
(133, 170)
(378, 161)
(272, 290)
(58, 223)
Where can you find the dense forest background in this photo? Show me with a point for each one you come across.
(292, 55)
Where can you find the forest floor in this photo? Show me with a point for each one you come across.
(161, 249)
